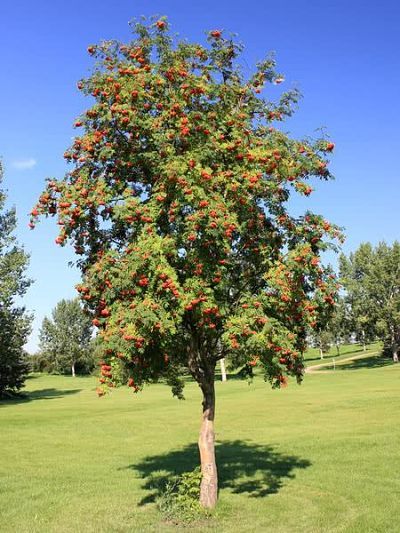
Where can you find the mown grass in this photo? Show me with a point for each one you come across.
(322, 457)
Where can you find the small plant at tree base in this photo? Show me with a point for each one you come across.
(177, 205)
(179, 501)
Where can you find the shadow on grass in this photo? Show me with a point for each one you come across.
(243, 467)
(43, 394)
(368, 362)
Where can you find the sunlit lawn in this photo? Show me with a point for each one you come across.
(322, 457)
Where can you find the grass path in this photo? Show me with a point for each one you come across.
(338, 362)
(312, 356)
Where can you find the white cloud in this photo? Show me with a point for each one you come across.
(24, 164)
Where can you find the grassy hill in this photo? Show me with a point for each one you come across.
(322, 457)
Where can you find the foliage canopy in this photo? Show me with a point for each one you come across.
(177, 205)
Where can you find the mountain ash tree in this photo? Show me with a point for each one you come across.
(177, 205)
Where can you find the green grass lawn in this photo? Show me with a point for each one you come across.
(322, 457)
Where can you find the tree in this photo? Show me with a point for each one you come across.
(65, 338)
(357, 302)
(324, 341)
(371, 277)
(177, 206)
(338, 327)
(14, 321)
(223, 369)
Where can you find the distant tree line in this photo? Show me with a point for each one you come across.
(369, 307)
(371, 278)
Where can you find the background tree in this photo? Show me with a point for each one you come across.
(65, 339)
(339, 324)
(360, 315)
(223, 369)
(14, 321)
(324, 341)
(177, 206)
(320, 333)
(371, 277)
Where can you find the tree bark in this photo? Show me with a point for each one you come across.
(364, 344)
(202, 368)
(73, 369)
(223, 369)
(209, 482)
(395, 354)
(321, 353)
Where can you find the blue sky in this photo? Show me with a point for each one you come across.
(343, 55)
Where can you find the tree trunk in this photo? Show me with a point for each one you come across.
(73, 369)
(223, 369)
(321, 353)
(395, 355)
(209, 482)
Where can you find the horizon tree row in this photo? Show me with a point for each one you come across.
(368, 306)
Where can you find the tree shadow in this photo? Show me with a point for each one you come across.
(243, 467)
(368, 362)
(42, 394)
